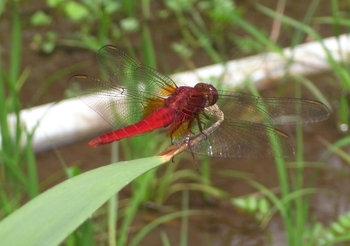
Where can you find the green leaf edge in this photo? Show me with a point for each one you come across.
(53, 215)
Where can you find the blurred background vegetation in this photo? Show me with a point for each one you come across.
(44, 42)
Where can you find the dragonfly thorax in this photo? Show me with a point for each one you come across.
(191, 100)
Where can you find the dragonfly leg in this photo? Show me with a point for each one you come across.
(187, 141)
(195, 162)
(200, 124)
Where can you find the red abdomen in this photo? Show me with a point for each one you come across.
(161, 118)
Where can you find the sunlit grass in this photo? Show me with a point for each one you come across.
(18, 171)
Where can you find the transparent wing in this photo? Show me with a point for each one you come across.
(247, 129)
(132, 91)
(117, 106)
(124, 71)
(241, 139)
(274, 110)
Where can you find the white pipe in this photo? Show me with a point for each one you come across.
(305, 59)
(71, 120)
(60, 123)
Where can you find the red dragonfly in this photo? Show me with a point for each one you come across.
(137, 99)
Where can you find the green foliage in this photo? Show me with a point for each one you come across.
(337, 232)
(76, 11)
(54, 214)
(17, 161)
(87, 15)
(40, 18)
(45, 43)
(257, 206)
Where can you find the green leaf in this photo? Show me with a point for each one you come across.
(130, 24)
(76, 11)
(40, 18)
(54, 3)
(53, 215)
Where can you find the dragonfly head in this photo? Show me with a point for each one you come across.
(209, 91)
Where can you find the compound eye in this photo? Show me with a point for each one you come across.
(209, 91)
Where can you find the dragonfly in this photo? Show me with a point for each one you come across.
(136, 99)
